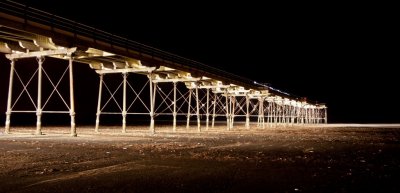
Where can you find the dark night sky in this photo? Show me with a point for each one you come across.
(342, 55)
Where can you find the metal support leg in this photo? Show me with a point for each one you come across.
(198, 109)
(227, 110)
(262, 113)
(270, 113)
(326, 116)
(298, 110)
(259, 113)
(214, 105)
(124, 104)
(290, 115)
(207, 109)
(275, 114)
(284, 115)
(232, 113)
(39, 98)
(9, 99)
(307, 119)
(313, 115)
(71, 97)
(174, 113)
(189, 106)
(99, 104)
(247, 112)
(152, 101)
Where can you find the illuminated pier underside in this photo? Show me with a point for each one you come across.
(208, 94)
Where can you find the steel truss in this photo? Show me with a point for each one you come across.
(197, 100)
(204, 102)
(202, 97)
(39, 106)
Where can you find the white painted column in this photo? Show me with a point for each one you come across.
(198, 109)
(189, 110)
(39, 98)
(275, 114)
(247, 112)
(214, 105)
(227, 110)
(233, 102)
(307, 118)
(259, 112)
(313, 115)
(9, 98)
(124, 103)
(207, 107)
(283, 114)
(71, 97)
(99, 105)
(152, 103)
(269, 118)
(293, 114)
(262, 113)
(174, 113)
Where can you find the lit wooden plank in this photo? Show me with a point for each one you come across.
(41, 53)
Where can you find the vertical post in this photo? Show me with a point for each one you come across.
(276, 113)
(9, 99)
(326, 115)
(233, 103)
(227, 109)
(230, 112)
(247, 112)
(267, 110)
(301, 114)
(152, 100)
(39, 98)
(197, 108)
(313, 116)
(295, 117)
(99, 105)
(291, 107)
(71, 97)
(189, 106)
(262, 112)
(279, 114)
(283, 114)
(287, 115)
(124, 103)
(207, 107)
(321, 116)
(214, 105)
(270, 103)
(259, 113)
(298, 113)
(307, 116)
(174, 113)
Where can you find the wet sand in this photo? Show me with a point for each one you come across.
(313, 159)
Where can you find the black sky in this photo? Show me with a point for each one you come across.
(342, 55)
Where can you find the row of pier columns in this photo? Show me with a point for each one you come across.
(39, 105)
(210, 100)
